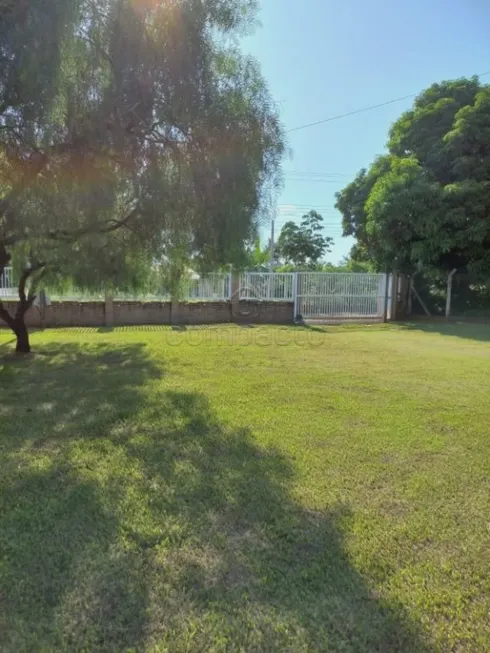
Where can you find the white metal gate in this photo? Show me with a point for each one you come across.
(275, 286)
(340, 296)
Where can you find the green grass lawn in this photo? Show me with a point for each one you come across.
(230, 490)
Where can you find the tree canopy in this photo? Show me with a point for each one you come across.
(127, 126)
(303, 244)
(426, 203)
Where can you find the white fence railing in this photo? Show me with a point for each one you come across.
(211, 287)
(316, 295)
(7, 288)
(272, 286)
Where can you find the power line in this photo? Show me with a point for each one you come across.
(311, 206)
(301, 212)
(327, 225)
(292, 218)
(350, 113)
(331, 225)
(317, 181)
(353, 113)
(285, 218)
(331, 179)
(316, 174)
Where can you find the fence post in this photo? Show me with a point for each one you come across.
(234, 294)
(381, 298)
(394, 296)
(449, 291)
(42, 308)
(386, 298)
(174, 310)
(404, 289)
(421, 301)
(295, 295)
(235, 286)
(109, 308)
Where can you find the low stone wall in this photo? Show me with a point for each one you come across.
(70, 314)
(264, 312)
(202, 313)
(133, 313)
(64, 314)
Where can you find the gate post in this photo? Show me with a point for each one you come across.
(450, 291)
(234, 294)
(394, 296)
(386, 298)
(109, 307)
(295, 296)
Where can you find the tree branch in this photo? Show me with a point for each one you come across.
(28, 272)
(69, 236)
(31, 296)
(111, 226)
(39, 160)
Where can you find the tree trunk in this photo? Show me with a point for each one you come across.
(17, 324)
(23, 345)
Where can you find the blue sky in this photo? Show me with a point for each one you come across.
(327, 57)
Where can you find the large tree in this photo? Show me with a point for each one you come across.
(304, 244)
(426, 204)
(126, 125)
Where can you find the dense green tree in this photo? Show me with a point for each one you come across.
(426, 204)
(303, 244)
(126, 125)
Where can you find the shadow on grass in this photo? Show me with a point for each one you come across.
(468, 330)
(131, 518)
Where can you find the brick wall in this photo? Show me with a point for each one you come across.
(33, 319)
(264, 312)
(132, 313)
(63, 314)
(203, 313)
(75, 314)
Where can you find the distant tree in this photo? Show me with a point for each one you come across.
(304, 244)
(122, 125)
(257, 258)
(426, 204)
(347, 264)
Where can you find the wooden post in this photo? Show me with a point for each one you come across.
(449, 292)
(394, 296)
(420, 301)
(404, 290)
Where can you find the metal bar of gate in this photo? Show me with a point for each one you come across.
(320, 295)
